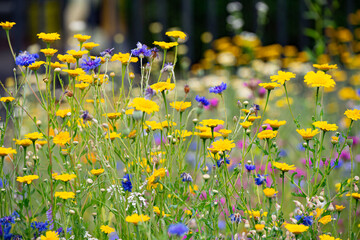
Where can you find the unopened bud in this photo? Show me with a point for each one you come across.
(131, 75)
(186, 89)
(112, 74)
(45, 80)
(69, 93)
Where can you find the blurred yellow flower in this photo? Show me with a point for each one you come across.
(180, 106)
(353, 114)
(282, 77)
(325, 220)
(269, 86)
(162, 86)
(275, 124)
(82, 38)
(319, 79)
(165, 45)
(176, 34)
(295, 228)
(50, 235)
(97, 172)
(212, 123)
(77, 54)
(66, 58)
(90, 45)
(325, 66)
(23, 142)
(135, 218)
(27, 179)
(62, 138)
(63, 112)
(106, 229)
(270, 192)
(7, 25)
(7, 99)
(34, 136)
(48, 52)
(65, 195)
(36, 65)
(74, 72)
(323, 125)
(284, 167)
(65, 177)
(267, 134)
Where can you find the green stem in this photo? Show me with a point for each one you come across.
(288, 102)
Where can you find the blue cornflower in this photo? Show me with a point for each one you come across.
(221, 161)
(235, 218)
(40, 226)
(178, 229)
(5, 231)
(300, 147)
(282, 153)
(25, 58)
(7, 220)
(358, 91)
(149, 93)
(218, 89)
(113, 236)
(108, 51)
(126, 183)
(141, 51)
(202, 100)
(186, 177)
(90, 64)
(250, 167)
(85, 115)
(167, 67)
(260, 179)
(305, 220)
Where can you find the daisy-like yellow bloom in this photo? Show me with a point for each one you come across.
(307, 134)
(65, 195)
(27, 179)
(34, 136)
(48, 37)
(180, 106)
(166, 124)
(152, 180)
(327, 237)
(63, 112)
(207, 134)
(132, 134)
(158, 212)
(50, 235)
(106, 229)
(267, 134)
(325, 220)
(97, 172)
(57, 65)
(36, 65)
(246, 124)
(48, 52)
(62, 138)
(212, 123)
(124, 58)
(86, 78)
(256, 214)
(6, 151)
(41, 142)
(319, 79)
(259, 227)
(353, 114)
(165, 45)
(270, 192)
(66, 58)
(284, 167)
(176, 34)
(77, 54)
(153, 125)
(296, 228)
(323, 125)
(334, 140)
(112, 115)
(193, 189)
(225, 132)
(82, 38)
(90, 45)
(81, 86)
(129, 111)
(282, 77)
(162, 86)
(269, 86)
(354, 195)
(74, 72)
(182, 134)
(325, 67)
(251, 118)
(142, 104)
(135, 218)
(339, 207)
(65, 177)
(113, 135)
(223, 145)
(275, 124)
(7, 99)
(7, 25)
(24, 142)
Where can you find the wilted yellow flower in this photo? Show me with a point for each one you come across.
(48, 37)
(28, 179)
(267, 134)
(180, 106)
(319, 79)
(307, 134)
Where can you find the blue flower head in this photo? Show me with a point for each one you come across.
(149, 93)
(90, 64)
(141, 51)
(235, 218)
(108, 51)
(178, 229)
(25, 59)
(250, 167)
(218, 89)
(202, 100)
(305, 220)
(260, 179)
(40, 226)
(221, 161)
(186, 177)
(126, 183)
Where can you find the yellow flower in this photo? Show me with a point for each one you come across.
(57, 65)
(182, 134)
(50, 235)
(246, 124)
(63, 112)
(269, 86)
(7, 25)
(48, 52)
(142, 104)
(284, 167)
(135, 218)
(323, 125)
(162, 86)
(282, 77)
(113, 135)
(129, 111)
(180, 106)
(82, 38)
(251, 118)
(327, 237)
(188, 212)
(77, 54)
(65, 195)
(307, 134)
(225, 132)
(23, 142)
(62, 138)
(34, 136)
(112, 115)
(256, 214)
(165, 45)
(223, 145)
(212, 123)
(325, 220)
(319, 79)
(7, 99)
(153, 125)
(48, 37)
(275, 124)
(42, 143)
(193, 189)
(81, 86)
(90, 45)
(267, 134)
(325, 66)
(207, 134)
(259, 227)
(124, 58)
(353, 114)
(270, 192)
(97, 172)
(354, 195)
(176, 34)
(157, 211)
(66, 58)
(28, 179)
(295, 228)
(65, 177)
(36, 65)
(6, 151)
(339, 207)
(105, 228)
(74, 72)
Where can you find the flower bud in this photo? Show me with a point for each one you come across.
(89, 181)
(195, 120)
(57, 70)
(131, 75)
(206, 177)
(45, 80)
(186, 89)
(38, 122)
(112, 74)
(69, 93)
(71, 211)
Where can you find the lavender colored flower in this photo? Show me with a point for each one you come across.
(250, 167)
(154, 52)
(167, 67)
(260, 179)
(85, 115)
(149, 93)
(49, 216)
(186, 177)
(141, 51)
(235, 218)
(202, 100)
(221, 161)
(90, 64)
(25, 59)
(108, 51)
(178, 229)
(113, 236)
(305, 220)
(218, 89)
(126, 183)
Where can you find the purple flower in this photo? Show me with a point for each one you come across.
(126, 183)
(202, 100)
(186, 177)
(235, 218)
(178, 229)
(305, 220)
(149, 93)
(25, 58)
(221, 162)
(40, 226)
(86, 116)
(154, 52)
(90, 64)
(141, 51)
(167, 67)
(50, 218)
(250, 167)
(108, 51)
(218, 89)
(260, 179)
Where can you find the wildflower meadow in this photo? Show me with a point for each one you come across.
(254, 142)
